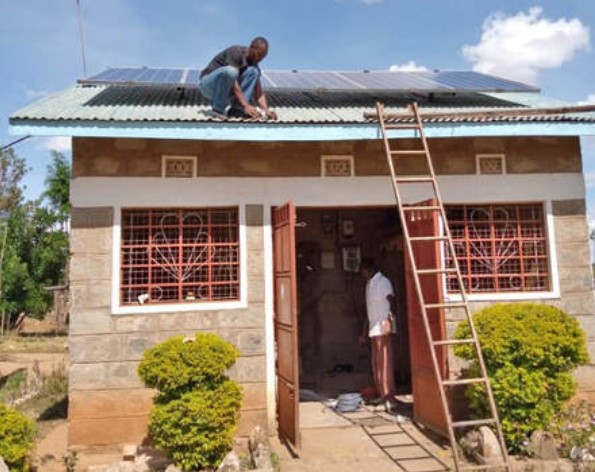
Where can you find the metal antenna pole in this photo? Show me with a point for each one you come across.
(81, 37)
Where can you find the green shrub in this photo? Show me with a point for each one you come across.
(197, 429)
(17, 435)
(529, 350)
(197, 408)
(175, 367)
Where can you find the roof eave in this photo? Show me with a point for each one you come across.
(241, 131)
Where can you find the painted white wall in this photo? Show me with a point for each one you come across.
(318, 191)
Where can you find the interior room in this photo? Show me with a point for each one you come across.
(330, 243)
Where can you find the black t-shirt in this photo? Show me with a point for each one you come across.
(232, 56)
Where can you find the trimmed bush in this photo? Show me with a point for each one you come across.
(197, 408)
(529, 351)
(175, 367)
(197, 429)
(17, 436)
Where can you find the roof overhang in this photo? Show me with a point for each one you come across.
(242, 131)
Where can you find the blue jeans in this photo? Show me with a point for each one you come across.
(217, 86)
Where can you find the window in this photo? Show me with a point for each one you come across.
(177, 255)
(500, 248)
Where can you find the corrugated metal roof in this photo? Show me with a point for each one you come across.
(167, 104)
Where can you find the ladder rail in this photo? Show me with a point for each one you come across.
(444, 230)
(463, 294)
(418, 289)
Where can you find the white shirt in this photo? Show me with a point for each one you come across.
(377, 305)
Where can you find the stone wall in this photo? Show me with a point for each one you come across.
(576, 278)
(104, 157)
(108, 404)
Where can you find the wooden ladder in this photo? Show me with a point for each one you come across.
(400, 182)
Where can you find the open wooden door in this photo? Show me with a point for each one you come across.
(286, 324)
(427, 405)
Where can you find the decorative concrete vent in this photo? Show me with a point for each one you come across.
(179, 166)
(491, 164)
(337, 166)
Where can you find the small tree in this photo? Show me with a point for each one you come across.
(57, 185)
(529, 351)
(197, 406)
(36, 249)
(12, 170)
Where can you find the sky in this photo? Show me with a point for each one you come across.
(546, 43)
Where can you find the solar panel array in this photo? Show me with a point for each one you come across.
(420, 82)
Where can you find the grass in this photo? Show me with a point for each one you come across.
(13, 343)
(10, 386)
(51, 402)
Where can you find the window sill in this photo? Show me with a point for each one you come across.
(508, 296)
(178, 307)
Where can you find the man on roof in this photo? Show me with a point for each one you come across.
(232, 79)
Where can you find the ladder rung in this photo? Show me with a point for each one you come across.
(448, 342)
(428, 238)
(410, 151)
(446, 305)
(463, 424)
(464, 381)
(436, 271)
(414, 179)
(421, 208)
(401, 126)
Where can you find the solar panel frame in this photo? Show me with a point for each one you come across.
(317, 80)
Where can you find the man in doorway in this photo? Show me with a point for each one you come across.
(232, 78)
(379, 293)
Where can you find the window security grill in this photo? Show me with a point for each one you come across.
(179, 255)
(500, 248)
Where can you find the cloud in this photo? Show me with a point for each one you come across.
(520, 46)
(410, 66)
(371, 2)
(590, 100)
(56, 143)
(34, 94)
(590, 179)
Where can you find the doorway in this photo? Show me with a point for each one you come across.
(330, 242)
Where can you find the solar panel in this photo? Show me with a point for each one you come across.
(311, 80)
(406, 81)
(353, 81)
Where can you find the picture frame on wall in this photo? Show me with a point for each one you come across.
(351, 258)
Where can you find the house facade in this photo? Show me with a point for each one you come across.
(176, 228)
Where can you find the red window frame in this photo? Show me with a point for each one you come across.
(499, 247)
(179, 255)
